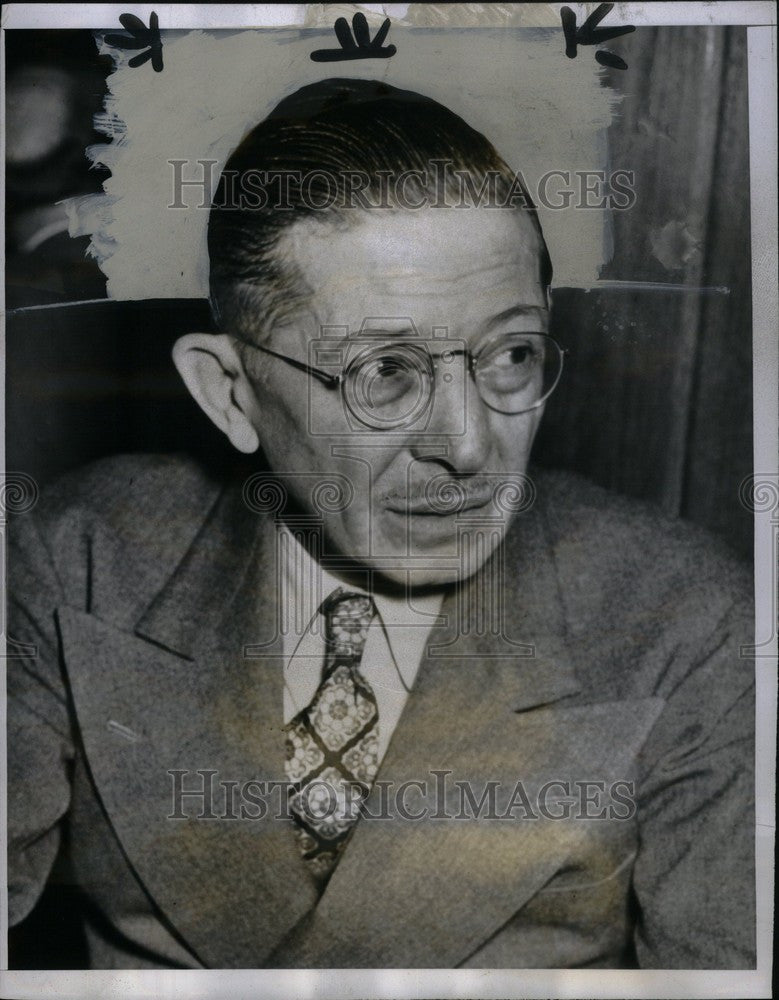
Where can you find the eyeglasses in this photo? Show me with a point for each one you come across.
(391, 384)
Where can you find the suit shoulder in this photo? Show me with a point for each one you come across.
(120, 486)
(653, 606)
(630, 550)
(137, 513)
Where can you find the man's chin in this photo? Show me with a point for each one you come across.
(415, 578)
(430, 567)
(421, 560)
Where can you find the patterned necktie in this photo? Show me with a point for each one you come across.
(332, 745)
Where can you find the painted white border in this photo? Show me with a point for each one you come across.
(196, 15)
(392, 984)
(761, 46)
(489, 983)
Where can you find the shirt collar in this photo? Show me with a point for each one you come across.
(406, 621)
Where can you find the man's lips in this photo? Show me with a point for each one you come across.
(444, 501)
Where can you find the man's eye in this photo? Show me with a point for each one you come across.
(387, 367)
(515, 364)
(520, 354)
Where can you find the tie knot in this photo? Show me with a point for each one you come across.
(347, 617)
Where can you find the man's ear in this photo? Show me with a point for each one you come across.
(213, 372)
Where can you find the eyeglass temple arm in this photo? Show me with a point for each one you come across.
(326, 377)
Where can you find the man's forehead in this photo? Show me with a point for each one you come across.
(415, 264)
(430, 241)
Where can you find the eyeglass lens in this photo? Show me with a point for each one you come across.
(390, 385)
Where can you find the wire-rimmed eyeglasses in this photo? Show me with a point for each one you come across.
(389, 384)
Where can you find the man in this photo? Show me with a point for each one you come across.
(390, 702)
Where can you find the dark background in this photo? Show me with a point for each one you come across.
(656, 399)
(55, 85)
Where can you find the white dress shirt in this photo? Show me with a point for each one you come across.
(393, 650)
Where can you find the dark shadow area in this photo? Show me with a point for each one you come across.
(55, 85)
(52, 937)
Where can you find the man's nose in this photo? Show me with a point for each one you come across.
(459, 419)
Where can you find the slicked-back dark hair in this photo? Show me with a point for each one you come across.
(333, 131)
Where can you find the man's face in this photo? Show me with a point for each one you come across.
(469, 274)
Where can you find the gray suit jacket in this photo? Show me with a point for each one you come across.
(140, 581)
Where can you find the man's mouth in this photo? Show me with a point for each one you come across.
(444, 500)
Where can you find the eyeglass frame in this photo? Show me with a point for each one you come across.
(338, 380)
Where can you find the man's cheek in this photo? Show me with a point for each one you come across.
(514, 448)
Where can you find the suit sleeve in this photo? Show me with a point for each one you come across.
(39, 744)
(694, 874)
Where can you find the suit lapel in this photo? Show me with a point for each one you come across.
(178, 698)
(428, 892)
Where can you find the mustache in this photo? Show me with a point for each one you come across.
(441, 495)
(510, 493)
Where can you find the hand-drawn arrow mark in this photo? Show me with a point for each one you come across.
(141, 37)
(358, 47)
(591, 34)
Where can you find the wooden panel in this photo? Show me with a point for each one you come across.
(656, 401)
(614, 412)
(720, 441)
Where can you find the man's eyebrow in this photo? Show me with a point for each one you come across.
(513, 312)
